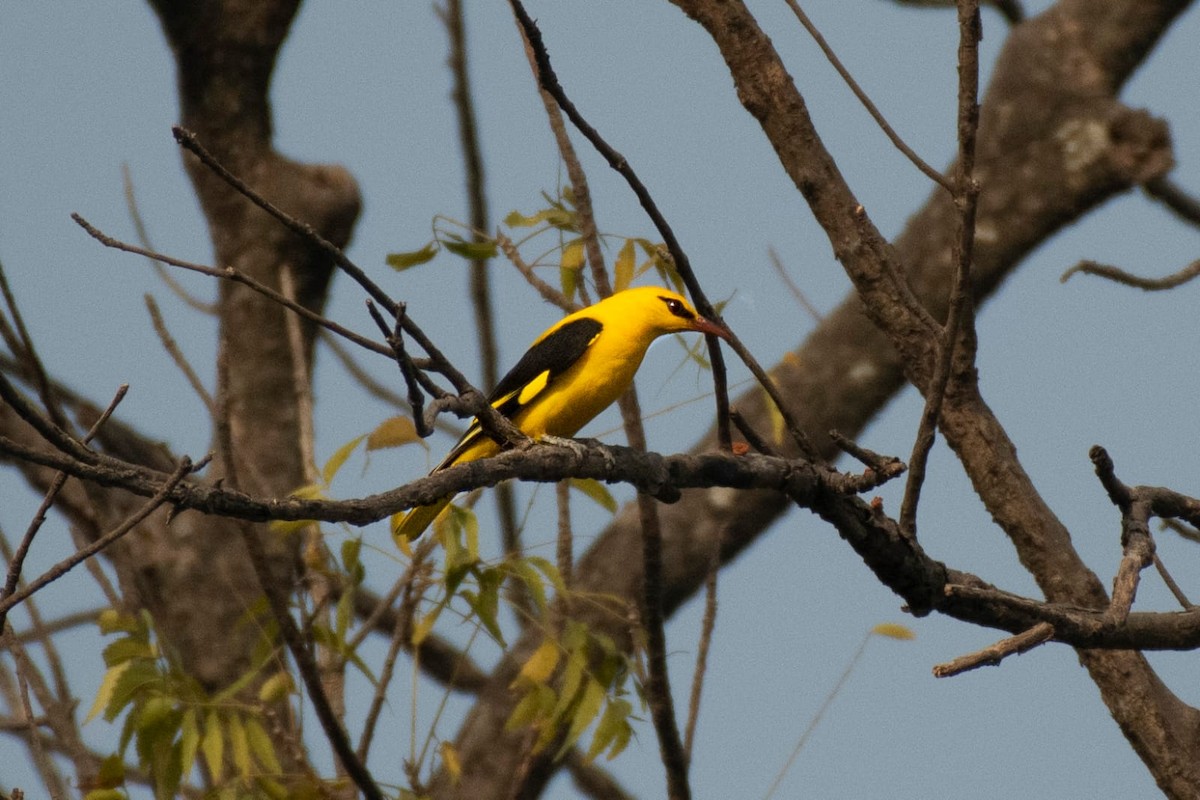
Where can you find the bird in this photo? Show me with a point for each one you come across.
(577, 368)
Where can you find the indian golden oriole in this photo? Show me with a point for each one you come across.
(573, 371)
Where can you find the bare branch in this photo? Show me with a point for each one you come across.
(992, 655)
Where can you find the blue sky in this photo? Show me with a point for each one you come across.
(1065, 366)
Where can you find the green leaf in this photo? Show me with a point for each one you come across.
(425, 624)
(108, 687)
(531, 708)
(568, 280)
(212, 744)
(111, 773)
(127, 648)
(403, 261)
(585, 714)
(596, 491)
(474, 251)
(260, 745)
(550, 571)
(573, 255)
(612, 724)
(189, 741)
(623, 269)
(338, 458)
(113, 621)
(487, 605)
(239, 746)
(557, 216)
(351, 561)
(538, 668)
(533, 581)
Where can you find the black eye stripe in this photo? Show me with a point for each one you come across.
(677, 308)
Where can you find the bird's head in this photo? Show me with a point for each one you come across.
(661, 311)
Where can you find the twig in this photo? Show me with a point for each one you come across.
(139, 229)
(188, 141)
(549, 82)
(960, 315)
(564, 550)
(277, 601)
(1129, 279)
(887, 129)
(579, 183)
(548, 292)
(1171, 584)
(231, 274)
(67, 564)
(707, 625)
(801, 298)
(23, 350)
(17, 562)
(452, 18)
(172, 347)
(1175, 198)
(992, 655)
(50, 776)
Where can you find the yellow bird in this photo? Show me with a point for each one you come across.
(573, 371)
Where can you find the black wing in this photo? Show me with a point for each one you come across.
(545, 360)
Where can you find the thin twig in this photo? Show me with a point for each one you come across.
(160, 269)
(707, 626)
(67, 564)
(16, 563)
(579, 183)
(1180, 597)
(231, 274)
(24, 350)
(172, 347)
(917, 161)
(960, 315)
(549, 81)
(1129, 279)
(801, 298)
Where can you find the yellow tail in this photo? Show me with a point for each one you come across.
(414, 522)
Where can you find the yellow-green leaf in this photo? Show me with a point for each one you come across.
(276, 687)
(108, 686)
(623, 269)
(111, 773)
(585, 714)
(894, 630)
(394, 432)
(239, 746)
(112, 621)
(613, 724)
(338, 458)
(531, 708)
(572, 257)
(538, 668)
(189, 740)
(212, 744)
(105, 794)
(403, 261)
(451, 761)
(596, 491)
(474, 251)
(425, 625)
(260, 745)
(568, 280)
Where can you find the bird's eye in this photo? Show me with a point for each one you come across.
(677, 308)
